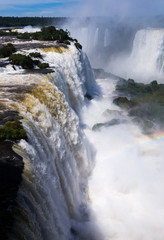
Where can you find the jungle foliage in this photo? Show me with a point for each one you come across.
(144, 102)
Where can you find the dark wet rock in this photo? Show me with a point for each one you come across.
(11, 168)
(109, 112)
(8, 116)
(39, 71)
(89, 97)
(100, 73)
(110, 123)
(3, 63)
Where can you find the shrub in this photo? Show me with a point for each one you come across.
(43, 65)
(12, 130)
(78, 45)
(66, 42)
(51, 34)
(21, 60)
(25, 35)
(8, 33)
(7, 50)
(35, 55)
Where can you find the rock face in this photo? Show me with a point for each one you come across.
(11, 167)
(112, 122)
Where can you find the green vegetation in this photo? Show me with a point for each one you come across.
(26, 62)
(123, 102)
(33, 21)
(35, 55)
(7, 50)
(78, 45)
(25, 36)
(46, 34)
(51, 34)
(144, 102)
(21, 60)
(132, 88)
(12, 130)
(66, 42)
(8, 32)
(43, 65)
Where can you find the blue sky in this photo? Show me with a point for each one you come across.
(61, 8)
(47, 8)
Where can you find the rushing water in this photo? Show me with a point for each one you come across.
(52, 198)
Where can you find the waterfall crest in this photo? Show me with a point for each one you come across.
(52, 199)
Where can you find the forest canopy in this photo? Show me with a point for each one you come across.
(33, 21)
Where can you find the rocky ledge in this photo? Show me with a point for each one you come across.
(11, 168)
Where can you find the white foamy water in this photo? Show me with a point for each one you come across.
(126, 186)
(145, 62)
(29, 29)
(52, 201)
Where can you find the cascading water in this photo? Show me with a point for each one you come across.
(145, 62)
(148, 51)
(52, 199)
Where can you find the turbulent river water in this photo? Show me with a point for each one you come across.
(126, 184)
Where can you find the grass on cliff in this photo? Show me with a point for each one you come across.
(12, 130)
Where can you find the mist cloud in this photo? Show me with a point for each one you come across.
(120, 8)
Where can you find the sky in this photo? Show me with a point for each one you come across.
(74, 8)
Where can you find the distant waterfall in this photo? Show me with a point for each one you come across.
(96, 37)
(146, 60)
(147, 49)
(52, 199)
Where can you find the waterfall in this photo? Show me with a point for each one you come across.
(145, 61)
(52, 198)
(96, 37)
(148, 50)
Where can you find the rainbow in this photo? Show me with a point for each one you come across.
(157, 135)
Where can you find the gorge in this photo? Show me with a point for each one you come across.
(85, 169)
